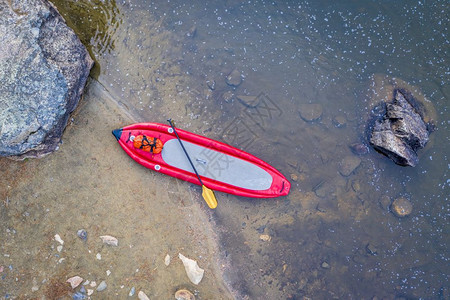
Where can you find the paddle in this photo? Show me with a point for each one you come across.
(207, 193)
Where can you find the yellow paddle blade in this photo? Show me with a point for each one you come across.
(209, 197)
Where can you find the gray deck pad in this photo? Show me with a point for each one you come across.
(216, 165)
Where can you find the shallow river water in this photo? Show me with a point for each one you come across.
(332, 237)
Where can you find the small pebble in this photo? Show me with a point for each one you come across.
(86, 282)
(348, 164)
(371, 249)
(401, 207)
(142, 296)
(339, 121)
(265, 237)
(102, 286)
(59, 248)
(82, 234)
(93, 284)
(294, 177)
(78, 296)
(74, 281)
(58, 239)
(184, 295)
(385, 202)
(211, 84)
(234, 78)
(325, 265)
(132, 291)
(110, 240)
(83, 290)
(90, 292)
(311, 112)
(359, 149)
(98, 256)
(167, 260)
(108, 272)
(228, 96)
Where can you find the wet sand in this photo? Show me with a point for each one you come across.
(90, 183)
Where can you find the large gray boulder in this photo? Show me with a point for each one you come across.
(43, 71)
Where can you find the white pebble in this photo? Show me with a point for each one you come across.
(59, 248)
(167, 260)
(99, 256)
(108, 272)
(86, 282)
(109, 240)
(74, 281)
(93, 284)
(142, 296)
(89, 291)
(132, 291)
(58, 239)
(61, 260)
(102, 286)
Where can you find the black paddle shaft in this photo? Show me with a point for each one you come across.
(185, 152)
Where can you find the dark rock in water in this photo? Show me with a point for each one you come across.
(311, 112)
(401, 207)
(359, 149)
(348, 164)
(234, 78)
(371, 249)
(385, 202)
(211, 84)
(339, 121)
(228, 96)
(192, 31)
(401, 132)
(43, 70)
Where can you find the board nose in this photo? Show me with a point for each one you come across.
(117, 133)
(285, 188)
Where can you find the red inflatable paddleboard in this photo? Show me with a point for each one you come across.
(220, 166)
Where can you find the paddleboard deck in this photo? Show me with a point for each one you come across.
(221, 167)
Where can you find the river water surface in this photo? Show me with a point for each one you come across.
(333, 236)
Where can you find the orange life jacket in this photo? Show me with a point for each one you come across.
(148, 144)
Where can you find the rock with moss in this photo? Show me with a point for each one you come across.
(43, 71)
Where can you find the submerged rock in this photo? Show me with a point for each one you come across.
(401, 207)
(234, 78)
(348, 165)
(397, 119)
(401, 132)
(311, 112)
(43, 70)
(359, 149)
